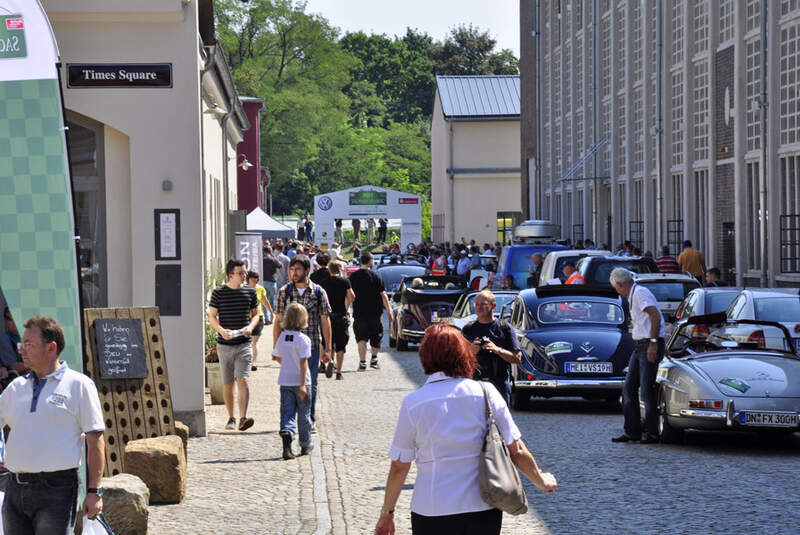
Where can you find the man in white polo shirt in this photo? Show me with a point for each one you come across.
(648, 349)
(49, 410)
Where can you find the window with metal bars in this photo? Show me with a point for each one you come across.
(751, 219)
(790, 214)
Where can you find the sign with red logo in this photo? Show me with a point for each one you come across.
(408, 200)
(15, 24)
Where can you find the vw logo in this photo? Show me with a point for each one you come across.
(325, 203)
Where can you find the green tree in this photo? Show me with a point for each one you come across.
(468, 51)
(292, 60)
(399, 69)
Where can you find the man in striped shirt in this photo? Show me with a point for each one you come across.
(233, 314)
(667, 263)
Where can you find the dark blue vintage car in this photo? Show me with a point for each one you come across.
(575, 341)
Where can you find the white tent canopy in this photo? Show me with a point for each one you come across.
(259, 221)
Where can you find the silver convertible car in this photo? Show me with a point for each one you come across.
(713, 378)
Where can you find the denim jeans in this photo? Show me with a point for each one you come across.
(45, 507)
(296, 413)
(641, 381)
(313, 367)
(272, 291)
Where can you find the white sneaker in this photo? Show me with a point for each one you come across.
(231, 425)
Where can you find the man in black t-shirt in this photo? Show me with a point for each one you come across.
(494, 344)
(271, 268)
(340, 295)
(370, 299)
(233, 314)
(321, 274)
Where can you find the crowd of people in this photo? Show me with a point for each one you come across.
(307, 296)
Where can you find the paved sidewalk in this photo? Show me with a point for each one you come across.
(238, 482)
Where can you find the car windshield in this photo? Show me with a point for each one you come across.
(602, 273)
(778, 309)
(580, 311)
(501, 300)
(704, 337)
(560, 265)
(719, 301)
(392, 277)
(669, 290)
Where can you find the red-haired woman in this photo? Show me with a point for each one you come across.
(442, 426)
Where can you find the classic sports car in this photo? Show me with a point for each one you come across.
(712, 379)
(464, 311)
(437, 295)
(575, 342)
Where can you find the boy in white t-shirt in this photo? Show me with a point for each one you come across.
(293, 350)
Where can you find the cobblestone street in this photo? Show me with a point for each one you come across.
(237, 482)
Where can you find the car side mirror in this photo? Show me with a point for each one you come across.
(396, 297)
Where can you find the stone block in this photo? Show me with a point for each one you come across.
(161, 463)
(125, 503)
(182, 430)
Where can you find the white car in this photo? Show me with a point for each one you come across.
(781, 305)
(554, 263)
(670, 289)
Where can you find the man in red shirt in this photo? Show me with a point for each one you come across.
(666, 263)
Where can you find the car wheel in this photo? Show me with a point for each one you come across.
(520, 399)
(668, 433)
(402, 345)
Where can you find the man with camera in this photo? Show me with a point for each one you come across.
(494, 343)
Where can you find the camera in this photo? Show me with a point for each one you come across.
(484, 340)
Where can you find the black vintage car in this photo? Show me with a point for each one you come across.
(575, 342)
(416, 307)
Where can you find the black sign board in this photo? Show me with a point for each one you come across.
(120, 348)
(119, 75)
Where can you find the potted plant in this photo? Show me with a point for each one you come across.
(213, 371)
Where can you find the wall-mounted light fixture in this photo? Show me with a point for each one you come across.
(244, 163)
(216, 109)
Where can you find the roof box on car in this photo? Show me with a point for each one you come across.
(536, 231)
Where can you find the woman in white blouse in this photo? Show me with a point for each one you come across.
(442, 426)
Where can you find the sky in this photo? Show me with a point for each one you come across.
(435, 17)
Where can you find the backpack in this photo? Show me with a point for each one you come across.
(290, 287)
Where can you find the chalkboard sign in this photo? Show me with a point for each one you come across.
(120, 348)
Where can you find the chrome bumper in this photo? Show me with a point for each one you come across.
(563, 384)
(409, 333)
(704, 414)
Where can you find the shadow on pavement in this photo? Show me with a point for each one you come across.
(572, 405)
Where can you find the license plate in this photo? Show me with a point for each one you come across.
(768, 419)
(589, 367)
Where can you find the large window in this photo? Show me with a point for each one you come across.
(701, 25)
(621, 137)
(85, 142)
(622, 210)
(790, 83)
(701, 115)
(701, 208)
(638, 131)
(790, 214)
(752, 109)
(753, 245)
(619, 53)
(678, 29)
(505, 226)
(726, 20)
(677, 118)
(753, 15)
(636, 46)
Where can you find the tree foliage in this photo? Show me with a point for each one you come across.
(344, 111)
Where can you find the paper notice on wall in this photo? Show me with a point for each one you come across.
(168, 236)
